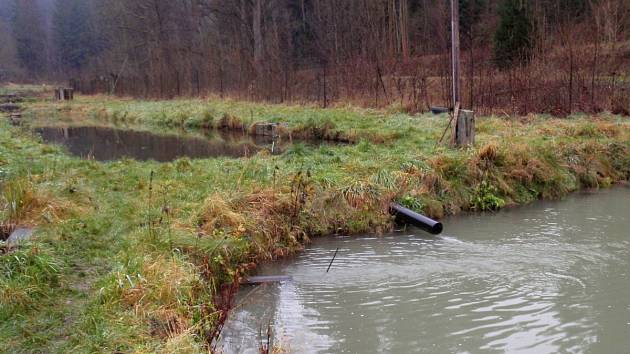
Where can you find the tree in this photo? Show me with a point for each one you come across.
(8, 61)
(469, 17)
(29, 35)
(612, 17)
(73, 35)
(513, 42)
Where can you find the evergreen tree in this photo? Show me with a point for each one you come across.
(469, 15)
(513, 42)
(8, 61)
(29, 36)
(73, 35)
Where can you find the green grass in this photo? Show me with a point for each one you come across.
(348, 122)
(24, 89)
(131, 255)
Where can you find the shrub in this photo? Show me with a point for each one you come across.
(485, 197)
(412, 203)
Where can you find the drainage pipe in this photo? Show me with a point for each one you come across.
(407, 216)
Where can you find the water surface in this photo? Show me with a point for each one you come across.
(106, 144)
(546, 278)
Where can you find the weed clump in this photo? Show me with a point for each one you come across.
(203, 119)
(360, 194)
(486, 197)
(22, 204)
(322, 129)
(26, 275)
(17, 199)
(619, 156)
(230, 122)
(217, 217)
(167, 292)
(489, 152)
(413, 203)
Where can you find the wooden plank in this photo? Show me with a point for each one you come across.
(267, 279)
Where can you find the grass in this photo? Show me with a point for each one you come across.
(343, 123)
(27, 91)
(138, 256)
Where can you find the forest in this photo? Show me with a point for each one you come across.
(518, 56)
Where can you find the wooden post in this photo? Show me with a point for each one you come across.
(64, 94)
(464, 128)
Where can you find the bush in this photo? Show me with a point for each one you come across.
(485, 198)
(412, 203)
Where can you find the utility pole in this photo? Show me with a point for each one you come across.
(455, 50)
(464, 127)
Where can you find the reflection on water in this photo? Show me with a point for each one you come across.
(546, 278)
(106, 144)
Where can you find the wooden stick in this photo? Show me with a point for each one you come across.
(455, 112)
(332, 260)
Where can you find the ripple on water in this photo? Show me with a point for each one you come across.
(539, 279)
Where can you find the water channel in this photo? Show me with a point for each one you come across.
(550, 277)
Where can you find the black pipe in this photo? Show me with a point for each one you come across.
(407, 216)
(439, 110)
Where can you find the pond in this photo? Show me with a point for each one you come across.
(545, 278)
(106, 144)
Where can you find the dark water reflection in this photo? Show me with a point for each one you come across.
(552, 277)
(107, 144)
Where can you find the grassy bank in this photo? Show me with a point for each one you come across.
(136, 256)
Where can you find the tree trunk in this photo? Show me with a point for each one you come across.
(258, 40)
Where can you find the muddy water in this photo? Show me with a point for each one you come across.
(547, 278)
(106, 144)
